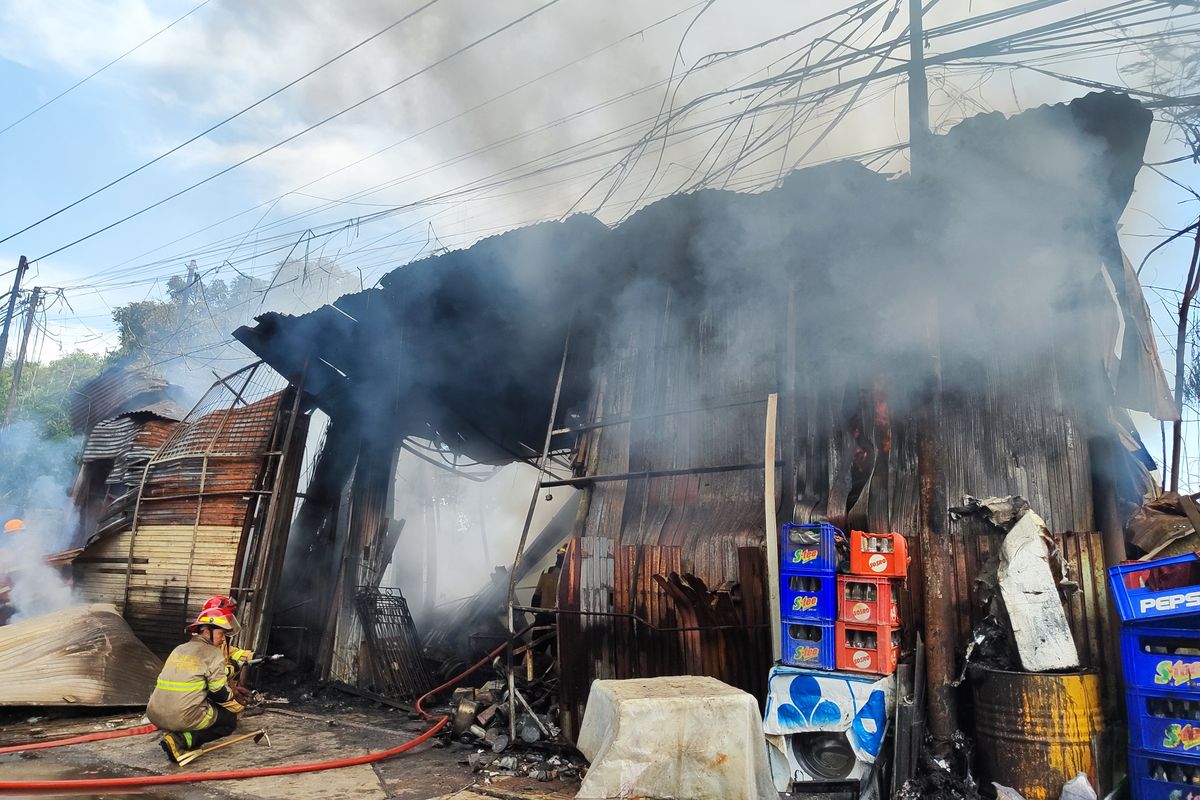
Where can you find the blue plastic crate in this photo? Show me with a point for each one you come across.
(1167, 659)
(811, 547)
(808, 644)
(1165, 722)
(1155, 777)
(808, 596)
(1174, 596)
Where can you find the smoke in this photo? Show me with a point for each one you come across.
(458, 531)
(36, 484)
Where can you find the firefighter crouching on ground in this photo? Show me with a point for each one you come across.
(192, 701)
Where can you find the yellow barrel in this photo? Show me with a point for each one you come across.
(1036, 731)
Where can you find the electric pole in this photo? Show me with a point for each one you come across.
(918, 87)
(937, 566)
(22, 266)
(19, 364)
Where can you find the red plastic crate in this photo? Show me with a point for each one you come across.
(867, 648)
(867, 601)
(881, 555)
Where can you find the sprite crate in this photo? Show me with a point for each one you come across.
(1149, 591)
(1164, 722)
(811, 547)
(1155, 777)
(807, 595)
(1161, 658)
(807, 644)
(867, 601)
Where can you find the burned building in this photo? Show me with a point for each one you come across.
(901, 341)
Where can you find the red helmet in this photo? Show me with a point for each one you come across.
(215, 618)
(220, 602)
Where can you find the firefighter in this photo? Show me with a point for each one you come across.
(192, 702)
(7, 567)
(235, 657)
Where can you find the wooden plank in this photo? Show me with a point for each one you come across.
(771, 523)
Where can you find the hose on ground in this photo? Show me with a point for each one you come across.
(102, 785)
(89, 737)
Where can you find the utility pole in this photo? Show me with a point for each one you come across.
(937, 566)
(22, 266)
(918, 87)
(19, 364)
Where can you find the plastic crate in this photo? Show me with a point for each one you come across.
(1149, 591)
(1166, 722)
(878, 554)
(1161, 658)
(867, 601)
(1154, 777)
(808, 644)
(874, 649)
(808, 596)
(811, 547)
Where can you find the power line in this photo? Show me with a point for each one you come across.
(225, 121)
(312, 127)
(82, 81)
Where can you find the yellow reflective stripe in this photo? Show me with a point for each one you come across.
(215, 686)
(210, 715)
(179, 686)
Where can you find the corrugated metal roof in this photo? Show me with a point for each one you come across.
(109, 438)
(163, 409)
(111, 392)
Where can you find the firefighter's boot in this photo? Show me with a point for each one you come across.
(174, 745)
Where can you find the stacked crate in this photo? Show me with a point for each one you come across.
(868, 621)
(1160, 648)
(808, 593)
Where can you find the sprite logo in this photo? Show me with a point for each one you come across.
(805, 556)
(806, 653)
(1181, 737)
(1176, 673)
(803, 603)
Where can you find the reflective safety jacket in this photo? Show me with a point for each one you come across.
(192, 673)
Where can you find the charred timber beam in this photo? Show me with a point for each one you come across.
(587, 480)
(604, 423)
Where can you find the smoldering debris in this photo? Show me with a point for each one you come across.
(1003, 512)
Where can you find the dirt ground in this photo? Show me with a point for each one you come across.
(327, 730)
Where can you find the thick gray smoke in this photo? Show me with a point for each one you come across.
(36, 482)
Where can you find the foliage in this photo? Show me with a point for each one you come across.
(46, 391)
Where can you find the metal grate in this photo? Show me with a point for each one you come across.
(394, 663)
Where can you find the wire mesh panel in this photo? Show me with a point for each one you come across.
(198, 501)
(394, 664)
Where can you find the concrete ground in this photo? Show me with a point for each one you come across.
(432, 771)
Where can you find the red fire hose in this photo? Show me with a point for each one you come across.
(90, 737)
(105, 784)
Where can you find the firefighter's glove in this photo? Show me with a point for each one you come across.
(233, 706)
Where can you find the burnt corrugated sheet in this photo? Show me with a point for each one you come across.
(109, 438)
(115, 390)
(200, 482)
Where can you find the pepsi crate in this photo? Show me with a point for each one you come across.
(1150, 591)
(1154, 777)
(808, 596)
(807, 644)
(809, 547)
(1167, 659)
(1164, 722)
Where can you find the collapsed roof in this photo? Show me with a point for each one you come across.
(1012, 217)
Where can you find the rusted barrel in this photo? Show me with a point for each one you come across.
(1036, 731)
